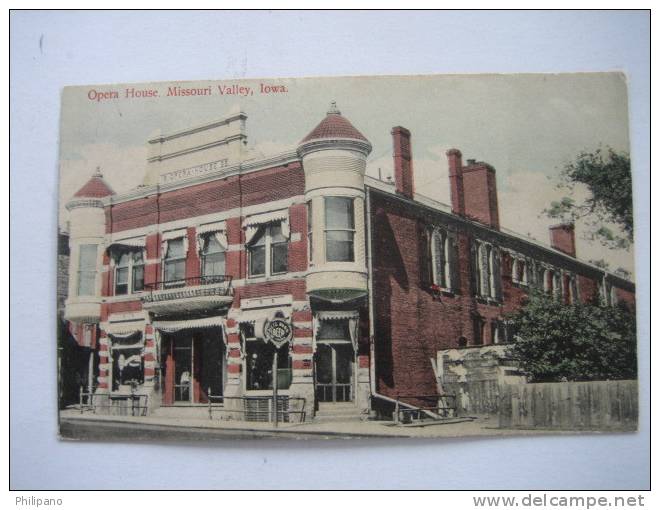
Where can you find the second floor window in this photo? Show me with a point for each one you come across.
(174, 267)
(268, 252)
(87, 270)
(129, 273)
(310, 244)
(519, 271)
(444, 256)
(213, 258)
(487, 271)
(339, 229)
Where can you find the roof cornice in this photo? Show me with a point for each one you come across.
(244, 167)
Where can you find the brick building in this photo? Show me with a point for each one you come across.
(223, 273)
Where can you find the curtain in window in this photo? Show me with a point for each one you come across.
(253, 223)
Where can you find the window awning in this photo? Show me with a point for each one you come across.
(174, 326)
(217, 229)
(133, 340)
(252, 223)
(174, 234)
(124, 329)
(337, 315)
(133, 242)
(212, 227)
(352, 316)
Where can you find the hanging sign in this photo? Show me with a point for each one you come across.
(278, 331)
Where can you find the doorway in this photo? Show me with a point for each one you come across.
(334, 372)
(193, 365)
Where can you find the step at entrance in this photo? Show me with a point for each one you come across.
(337, 412)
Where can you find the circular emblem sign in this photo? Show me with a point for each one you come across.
(278, 331)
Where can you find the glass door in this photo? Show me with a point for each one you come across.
(334, 372)
(183, 356)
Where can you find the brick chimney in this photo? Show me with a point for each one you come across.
(403, 168)
(456, 181)
(562, 238)
(473, 189)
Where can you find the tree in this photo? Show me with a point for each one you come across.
(607, 177)
(554, 341)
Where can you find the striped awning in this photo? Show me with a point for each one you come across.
(174, 326)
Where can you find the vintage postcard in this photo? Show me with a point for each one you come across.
(399, 256)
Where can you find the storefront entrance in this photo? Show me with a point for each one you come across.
(193, 365)
(334, 372)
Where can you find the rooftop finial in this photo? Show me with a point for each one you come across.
(98, 173)
(333, 108)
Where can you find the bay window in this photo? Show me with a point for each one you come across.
(310, 244)
(339, 229)
(87, 269)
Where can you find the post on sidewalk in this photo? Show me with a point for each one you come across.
(275, 417)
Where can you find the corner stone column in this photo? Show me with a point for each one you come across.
(362, 390)
(150, 369)
(234, 386)
(302, 384)
(102, 393)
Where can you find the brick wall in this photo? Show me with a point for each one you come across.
(411, 322)
(210, 197)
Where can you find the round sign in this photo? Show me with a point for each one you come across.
(278, 331)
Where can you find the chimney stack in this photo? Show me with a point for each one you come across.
(403, 167)
(456, 181)
(562, 238)
(473, 189)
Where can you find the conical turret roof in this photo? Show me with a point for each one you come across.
(96, 187)
(334, 125)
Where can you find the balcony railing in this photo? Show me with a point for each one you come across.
(204, 288)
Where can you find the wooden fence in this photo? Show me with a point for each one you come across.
(598, 405)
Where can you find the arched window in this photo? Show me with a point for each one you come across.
(442, 259)
(487, 271)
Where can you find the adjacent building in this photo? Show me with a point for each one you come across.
(225, 274)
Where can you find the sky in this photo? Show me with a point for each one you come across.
(526, 126)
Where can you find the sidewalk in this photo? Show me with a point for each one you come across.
(75, 425)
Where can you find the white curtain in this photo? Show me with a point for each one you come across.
(220, 236)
